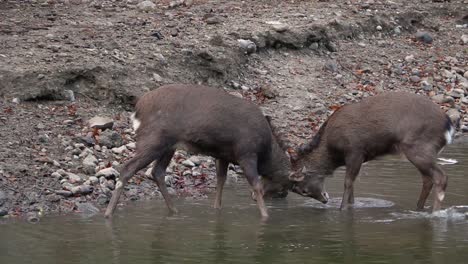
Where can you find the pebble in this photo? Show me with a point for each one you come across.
(108, 173)
(415, 79)
(146, 6)
(454, 115)
(188, 163)
(464, 39)
(426, 85)
(379, 28)
(73, 178)
(424, 37)
(93, 180)
(280, 28)
(119, 150)
(101, 122)
(131, 145)
(89, 164)
(409, 58)
(81, 190)
(56, 175)
(110, 139)
(64, 193)
(247, 45)
(15, 100)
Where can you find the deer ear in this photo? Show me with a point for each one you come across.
(296, 176)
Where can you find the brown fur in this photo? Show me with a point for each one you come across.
(207, 121)
(379, 125)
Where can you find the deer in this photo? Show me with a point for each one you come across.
(208, 121)
(388, 123)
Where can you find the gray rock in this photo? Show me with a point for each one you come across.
(102, 199)
(464, 39)
(89, 164)
(464, 128)
(447, 74)
(110, 184)
(119, 150)
(195, 159)
(442, 99)
(40, 126)
(56, 175)
(280, 27)
(64, 193)
(465, 74)
(3, 212)
(188, 163)
(101, 122)
(108, 173)
(415, 79)
(213, 20)
(33, 217)
(73, 178)
(82, 190)
(131, 145)
(146, 6)
(110, 139)
(424, 37)
(426, 86)
(169, 180)
(87, 209)
(93, 180)
(247, 45)
(331, 66)
(464, 100)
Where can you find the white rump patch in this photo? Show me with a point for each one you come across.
(449, 135)
(135, 122)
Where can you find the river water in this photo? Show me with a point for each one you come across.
(382, 228)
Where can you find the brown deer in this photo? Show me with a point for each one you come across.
(388, 123)
(207, 121)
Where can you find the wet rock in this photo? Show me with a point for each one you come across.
(64, 193)
(3, 212)
(247, 45)
(101, 122)
(146, 6)
(108, 173)
(424, 37)
(87, 209)
(110, 139)
(33, 217)
(102, 199)
(82, 190)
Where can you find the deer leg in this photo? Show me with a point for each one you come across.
(249, 166)
(353, 166)
(159, 173)
(426, 190)
(440, 182)
(423, 157)
(221, 174)
(138, 162)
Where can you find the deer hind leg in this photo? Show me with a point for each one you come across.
(353, 166)
(423, 157)
(159, 173)
(221, 174)
(249, 166)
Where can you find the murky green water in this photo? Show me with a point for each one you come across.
(382, 229)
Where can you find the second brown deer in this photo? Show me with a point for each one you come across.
(389, 123)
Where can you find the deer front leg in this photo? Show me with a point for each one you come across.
(353, 166)
(221, 174)
(249, 166)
